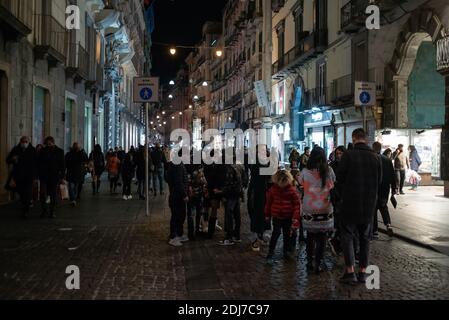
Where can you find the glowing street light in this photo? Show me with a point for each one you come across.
(196, 98)
(173, 117)
(172, 83)
(180, 113)
(219, 53)
(190, 106)
(157, 117)
(165, 122)
(205, 84)
(163, 112)
(172, 51)
(170, 96)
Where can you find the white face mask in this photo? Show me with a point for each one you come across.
(25, 145)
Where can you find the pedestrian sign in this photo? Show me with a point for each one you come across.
(145, 90)
(365, 94)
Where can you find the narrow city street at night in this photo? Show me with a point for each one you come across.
(224, 158)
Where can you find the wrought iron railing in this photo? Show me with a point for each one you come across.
(50, 33)
(353, 12)
(78, 58)
(21, 9)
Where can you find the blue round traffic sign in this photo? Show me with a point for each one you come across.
(146, 93)
(365, 97)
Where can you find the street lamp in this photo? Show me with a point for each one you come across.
(173, 117)
(190, 106)
(196, 98)
(219, 53)
(172, 51)
(170, 96)
(172, 83)
(205, 84)
(163, 112)
(180, 113)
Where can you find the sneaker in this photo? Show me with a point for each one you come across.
(130, 197)
(390, 231)
(236, 240)
(361, 277)
(376, 236)
(226, 242)
(349, 278)
(184, 238)
(125, 198)
(255, 246)
(175, 242)
(73, 203)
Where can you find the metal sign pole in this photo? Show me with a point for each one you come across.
(147, 171)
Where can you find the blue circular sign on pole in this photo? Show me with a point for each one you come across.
(146, 93)
(365, 97)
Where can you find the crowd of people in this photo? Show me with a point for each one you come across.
(44, 172)
(320, 202)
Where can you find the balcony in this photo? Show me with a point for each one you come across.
(50, 39)
(309, 47)
(341, 90)
(256, 60)
(353, 15)
(217, 84)
(235, 99)
(315, 97)
(277, 5)
(77, 64)
(16, 18)
(443, 55)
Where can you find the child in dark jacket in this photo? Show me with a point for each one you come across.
(283, 206)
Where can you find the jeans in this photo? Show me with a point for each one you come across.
(349, 232)
(194, 213)
(158, 174)
(48, 189)
(232, 218)
(113, 181)
(25, 191)
(141, 188)
(73, 191)
(400, 179)
(385, 217)
(279, 225)
(315, 245)
(178, 216)
(127, 186)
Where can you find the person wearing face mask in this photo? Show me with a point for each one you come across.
(22, 158)
(75, 161)
(51, 169)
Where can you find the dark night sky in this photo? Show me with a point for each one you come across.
(179, 22)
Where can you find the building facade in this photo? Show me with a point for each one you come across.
(72, 84)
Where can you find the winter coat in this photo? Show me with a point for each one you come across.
(401, 161)
(359, 176)
(98, 162)
(75, 162)
(113, 166)
(23, 161)
(283, 203)
(51, 165)
(158, 157)
(177, 183)
(257, 189)
(215, 176)
(235, 181)
(128, 167)
(140, 163)
(388, 180)
(415, 160)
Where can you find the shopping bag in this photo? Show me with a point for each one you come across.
(64, 191)
(393, 200)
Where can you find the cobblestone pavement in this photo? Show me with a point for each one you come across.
(124, 255)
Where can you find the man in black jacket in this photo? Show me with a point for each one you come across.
(359, 175)
(23, 160)
(158, 157)
(388, 183)
(178, 185)
(51, 171)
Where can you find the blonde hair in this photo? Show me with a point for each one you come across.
(282, 178)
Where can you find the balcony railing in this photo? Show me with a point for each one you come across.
(308, 47)
(353, 15)
(50, 37)
(315, 97)
(235, 99)
(341, 89)
(78, 60)
(277, 5)
(443, 55)
(18, 14)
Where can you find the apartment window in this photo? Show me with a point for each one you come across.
(360, 62)
(260, 42)
(281, 40)
(299, 23)
(321, 82)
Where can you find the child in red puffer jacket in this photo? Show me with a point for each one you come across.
(283, 205)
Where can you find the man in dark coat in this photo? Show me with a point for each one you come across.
(158, 157)
(388, 183)
(22, 158)
(75, 161)
(51, 171)
(177, 180)
(359, 175)
(140, 170)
